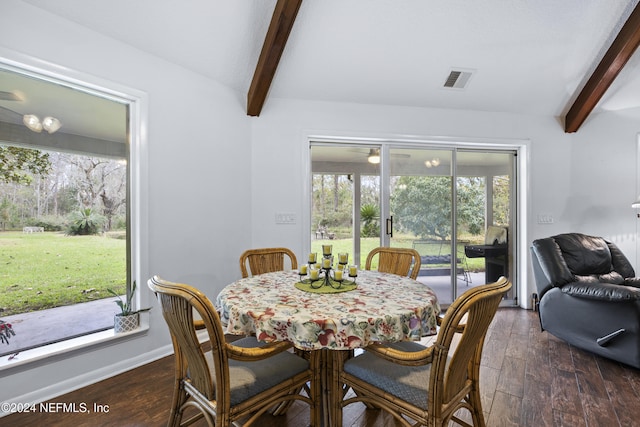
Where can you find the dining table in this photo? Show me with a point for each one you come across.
(372, 307)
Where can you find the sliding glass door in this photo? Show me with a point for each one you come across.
(420, 211)
(485, 216)
(345, 199)
(454, 206)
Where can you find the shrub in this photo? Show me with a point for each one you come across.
(50, 223)
(85, 222)
(369, 216)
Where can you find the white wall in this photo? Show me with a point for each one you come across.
(581, 179)
(198, 210)
(604, 179)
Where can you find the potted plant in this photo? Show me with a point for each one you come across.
(6, 331)
(128, 319)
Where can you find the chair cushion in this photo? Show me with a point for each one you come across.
(585, 255)
(250, 378)
(613, 278)
(409, 383)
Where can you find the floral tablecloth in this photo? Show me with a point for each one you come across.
(384, 307)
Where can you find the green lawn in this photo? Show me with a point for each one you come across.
(367, 244)
(46, 270)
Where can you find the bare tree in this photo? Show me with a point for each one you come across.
(59, 184)
(101, 184)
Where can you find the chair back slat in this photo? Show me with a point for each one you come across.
(454, 367)
(400, 261)
(235, 383)
(266, 260)
(178, 303)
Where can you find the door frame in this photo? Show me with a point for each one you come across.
(521, 219)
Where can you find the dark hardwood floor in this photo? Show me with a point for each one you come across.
(528, 378)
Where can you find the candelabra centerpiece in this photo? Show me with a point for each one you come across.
(323, 273)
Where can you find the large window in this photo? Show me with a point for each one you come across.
(64, 208)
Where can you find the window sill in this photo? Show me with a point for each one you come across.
(67, 346)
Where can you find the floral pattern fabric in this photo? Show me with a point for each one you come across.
(384, 307)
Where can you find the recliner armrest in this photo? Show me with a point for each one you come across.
(620, 262)
(602, 291)
(632, 281)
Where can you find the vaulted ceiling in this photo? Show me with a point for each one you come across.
(522, 56)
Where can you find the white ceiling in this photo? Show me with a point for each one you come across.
(528, 56)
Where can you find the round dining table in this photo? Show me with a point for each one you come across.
(382, 308)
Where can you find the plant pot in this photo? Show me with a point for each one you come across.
(126, 323)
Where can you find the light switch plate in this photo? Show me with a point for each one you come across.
(285, 218)
(545, 219)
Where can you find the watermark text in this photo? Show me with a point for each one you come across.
(54, 407)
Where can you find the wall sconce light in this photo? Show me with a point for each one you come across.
(374, 156)
(50, 124)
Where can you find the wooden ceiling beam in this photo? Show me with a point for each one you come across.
(605, 73)
(284, 15)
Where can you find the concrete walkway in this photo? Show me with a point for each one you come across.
(56, 324)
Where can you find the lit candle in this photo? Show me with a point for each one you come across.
(338, 274)
(314, 274)
(326, 263)
(303, 269)
(353, 270)
(312, 258)
(326, 249)
(343, 258)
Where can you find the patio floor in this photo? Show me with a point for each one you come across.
(442, 285)
(56, 324)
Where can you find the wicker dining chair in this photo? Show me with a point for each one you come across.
(400, 261)
(266, 260)
(426, 384)
(233, 383)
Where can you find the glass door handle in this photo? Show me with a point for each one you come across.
(390, 226)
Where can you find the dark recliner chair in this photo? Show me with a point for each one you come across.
(588, 295)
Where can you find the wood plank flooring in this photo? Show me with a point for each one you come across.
(528, 378)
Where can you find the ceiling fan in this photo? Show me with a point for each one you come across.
(6, 114)
(373, 155)
(9, 96)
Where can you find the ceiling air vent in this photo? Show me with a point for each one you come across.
(458, 79)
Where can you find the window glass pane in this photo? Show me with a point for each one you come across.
(63, 209)
(345, 199)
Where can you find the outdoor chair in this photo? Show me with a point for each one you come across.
(426, 384)
(400, 261)
(265, 260)
(232, 384)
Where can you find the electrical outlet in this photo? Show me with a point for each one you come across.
(285, 218)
